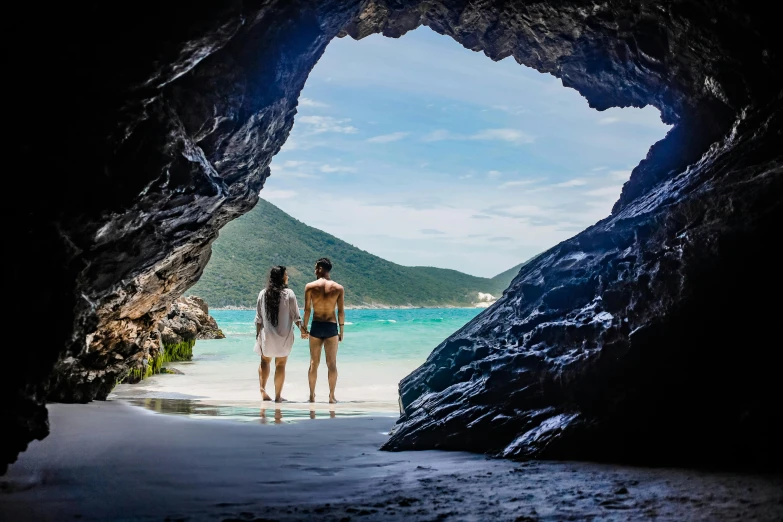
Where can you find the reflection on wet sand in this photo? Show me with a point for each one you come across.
(270, 413)
(280, 415)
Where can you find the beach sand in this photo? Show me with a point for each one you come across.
(114, 461)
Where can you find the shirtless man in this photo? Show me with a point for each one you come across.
(321, 297)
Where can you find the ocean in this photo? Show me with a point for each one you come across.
(380, 348)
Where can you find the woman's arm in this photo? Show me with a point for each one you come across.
(259, 315)
(293, 310)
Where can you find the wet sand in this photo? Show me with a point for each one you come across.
(114, 461)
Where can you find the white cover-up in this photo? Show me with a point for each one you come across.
(276, 341)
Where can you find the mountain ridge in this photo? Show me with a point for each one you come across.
(241, 261)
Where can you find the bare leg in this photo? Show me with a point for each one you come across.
(315, 360)
(263, 375)
(330, 346)
(279, 377)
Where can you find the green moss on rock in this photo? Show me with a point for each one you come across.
(171, 352)
(178, 352)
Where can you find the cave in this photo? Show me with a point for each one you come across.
(650, 337)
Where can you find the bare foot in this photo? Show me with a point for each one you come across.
(280, 399)
(312, 398)
(265, 396)
(332, 400)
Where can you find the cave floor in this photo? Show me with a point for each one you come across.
(113, 461)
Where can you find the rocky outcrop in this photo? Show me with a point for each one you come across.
(642, 339)
(188, 320)
(140, 136)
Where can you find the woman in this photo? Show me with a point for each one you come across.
(276, 313)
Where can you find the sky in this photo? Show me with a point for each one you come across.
(428, 154)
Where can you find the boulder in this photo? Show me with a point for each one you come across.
(188, 320)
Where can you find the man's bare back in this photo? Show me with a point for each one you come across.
(321, 298)
(323, 295)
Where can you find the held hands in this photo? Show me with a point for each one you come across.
(303, 330)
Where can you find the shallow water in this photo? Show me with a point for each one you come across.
(380, 348)
(259, 412)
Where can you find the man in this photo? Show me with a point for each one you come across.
(321, 297)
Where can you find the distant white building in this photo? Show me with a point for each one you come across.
(484, 300)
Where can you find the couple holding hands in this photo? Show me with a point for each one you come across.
(277, 311)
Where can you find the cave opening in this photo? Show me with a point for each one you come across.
(431, 157)
(183, 124)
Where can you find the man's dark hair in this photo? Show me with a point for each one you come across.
(324, 264)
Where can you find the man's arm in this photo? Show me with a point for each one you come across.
(341, 312)
(307, 308)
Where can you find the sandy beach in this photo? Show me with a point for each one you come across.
(114, 461)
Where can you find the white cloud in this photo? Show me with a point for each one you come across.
(271, 194)
(299, 174)
(440, 135)
(292, 164)
(572, 183)
(515, 109)
(622, 175)
(466, 176)
(388, 138)
(330, 169)
(536, 190)
(494, 174)
(321, 124)
(597, 169)
(293, 169)
(432, 231)
(518, 183)
(605, 191)
(308, 102)
(608, 120)
(517, 211)
(394, 230)
(508, 135)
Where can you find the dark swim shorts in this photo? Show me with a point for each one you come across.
(323, 329)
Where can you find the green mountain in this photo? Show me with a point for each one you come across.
(266, 236)
(504, 279)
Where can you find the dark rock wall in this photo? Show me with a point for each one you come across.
(139, 132)
(651, 337)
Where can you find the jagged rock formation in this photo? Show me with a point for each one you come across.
(640, 339)
(142, 135)
(188, 320)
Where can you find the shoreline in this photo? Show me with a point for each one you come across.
(108, 460)
(371, 307)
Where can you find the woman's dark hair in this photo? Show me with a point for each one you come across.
(325, 264)
(274, 289)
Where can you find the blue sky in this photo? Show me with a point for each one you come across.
(425, 153)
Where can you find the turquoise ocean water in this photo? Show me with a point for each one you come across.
(380, 348)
